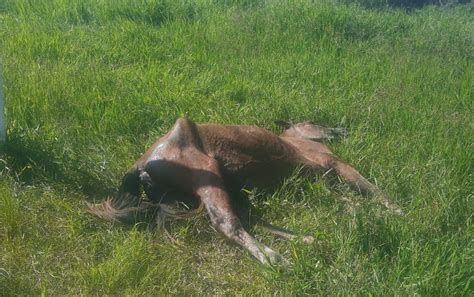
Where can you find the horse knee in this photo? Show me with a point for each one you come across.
(228, 225)
(327, 161)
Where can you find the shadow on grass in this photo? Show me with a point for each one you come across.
(33, 162)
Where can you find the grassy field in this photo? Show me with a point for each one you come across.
(91, 84)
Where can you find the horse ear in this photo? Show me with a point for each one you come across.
(283, 124)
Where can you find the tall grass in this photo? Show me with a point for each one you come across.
(91, 84)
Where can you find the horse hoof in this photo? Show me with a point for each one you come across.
(308, 239)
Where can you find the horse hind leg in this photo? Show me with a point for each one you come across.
(314, 159)
(283, 233)
(250, 217)
(307, 130)
(361, 184)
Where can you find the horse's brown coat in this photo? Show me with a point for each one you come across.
(203, 160)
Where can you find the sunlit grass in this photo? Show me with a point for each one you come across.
(91, 84)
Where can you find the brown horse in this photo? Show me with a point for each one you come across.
(205, 162)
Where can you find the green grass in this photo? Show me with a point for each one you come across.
(90, 85)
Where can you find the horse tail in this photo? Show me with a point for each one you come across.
(126, 206)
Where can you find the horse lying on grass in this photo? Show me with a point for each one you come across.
(206, 162)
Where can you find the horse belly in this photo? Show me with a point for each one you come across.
(260, 174)
(250, 155)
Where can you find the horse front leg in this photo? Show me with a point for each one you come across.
(211, 190)
(310, 131)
